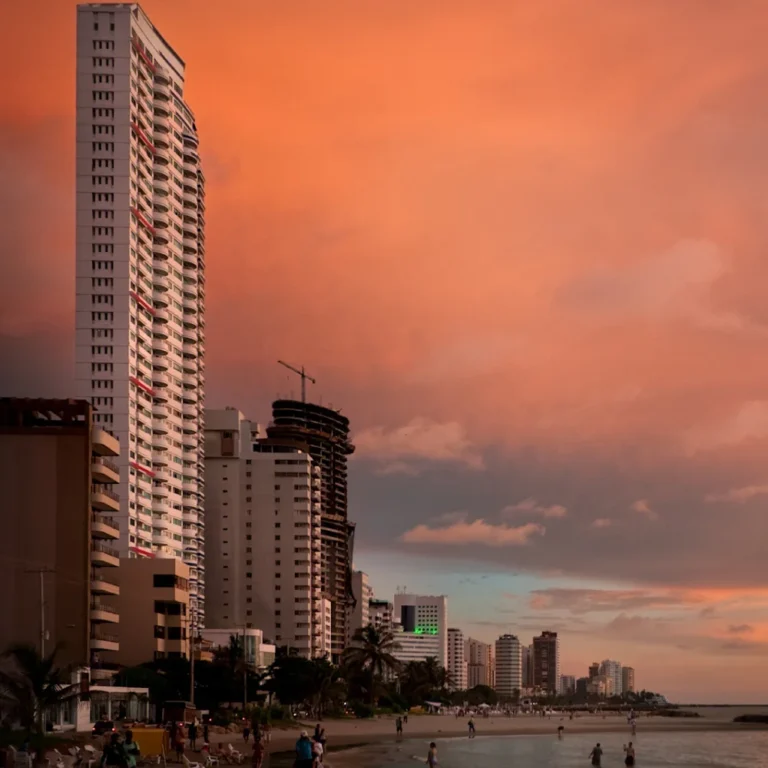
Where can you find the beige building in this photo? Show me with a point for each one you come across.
(154, 610)
(380, 614)
(509, 668)
(359, 615)
(457, 662)
(57, 563)
(627, 679)
(479, 658)
(263, 536)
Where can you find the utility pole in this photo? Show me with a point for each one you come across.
(245, 673)
(41, 572)
(304, 376)
(191, 663)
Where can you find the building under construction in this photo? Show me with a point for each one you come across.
(324, 434)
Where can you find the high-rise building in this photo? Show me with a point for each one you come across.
(57, 555)
(526, 655)
(509, 675)
(612, 670)
(567, 685)
(457, 663)
(546, 662)
(627, 680)
(479, 658)
(426, 618)
(359, 613)
(380, 614)
(263, 536)
(140, 279)
(594, 669)
(324, 434)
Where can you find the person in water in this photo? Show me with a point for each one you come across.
(471, 725)
(629, 760)
(432, 755)
(596, 755)
(560, 730)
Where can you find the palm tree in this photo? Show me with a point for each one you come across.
(30, 684)
(327, 685)
(372, 652)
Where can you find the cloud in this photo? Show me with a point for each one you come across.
(738, 495)
(740, 629)
(602, 522)
(476, 532)
(420, 440)
(532, 506)
(642, 507)
(674, 283)
(749, 422)
(582, 601)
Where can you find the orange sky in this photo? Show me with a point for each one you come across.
(521, 244)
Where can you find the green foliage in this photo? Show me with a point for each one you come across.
(422, 681)
(369, 658)
(30, 685)
(362, 710)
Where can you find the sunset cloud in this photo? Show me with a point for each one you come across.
(581, 601)
(476, 532)
(531, 506)
(738, 495)
(602, 522)
(420, 439)
(642, 507)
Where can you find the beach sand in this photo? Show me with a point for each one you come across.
(350, 733)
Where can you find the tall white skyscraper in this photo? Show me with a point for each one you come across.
(457, 662)
(612, 670)
(140, 277)
(509, 670)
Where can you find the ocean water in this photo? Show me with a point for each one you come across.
(746, 749)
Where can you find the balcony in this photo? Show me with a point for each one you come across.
(103, 612)
(103, 672)
(104, 471)
(160, 379)
(159, 411)
(161, 507)
(161, 316)
(104, 499)
(160, 536)
(102, 583)
(102, 555)
(103, 443)
(103, 641)
(104, 527)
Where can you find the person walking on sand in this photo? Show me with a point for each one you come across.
(432, 755)
(471, 726)
(399, 727)
(629, 751)
(206, 733)
(246, 734)
(192, 735)
(304, 757)
(560, 730)
(633, 726)
(596, 755)
(258, 752)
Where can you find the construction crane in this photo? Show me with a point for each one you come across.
(304, 376)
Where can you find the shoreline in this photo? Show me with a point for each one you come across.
(346, 743)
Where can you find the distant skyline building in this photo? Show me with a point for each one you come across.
(526, 654)
(323, 433)
(567, 685)
(594, 669)
(546, 661)
(612, 669)
(627, 680)
(509, 678)
(457, 663)
(140, 279)
(425, 619)
(479, 656)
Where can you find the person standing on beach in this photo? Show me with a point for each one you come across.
(258, 752)
(304, 758)
(399, 727)
(192, 735)
(471, 725)
(596, 755)
(246, 733)
(633, 725)
(432, 755)
(629, 760)
(560, 730)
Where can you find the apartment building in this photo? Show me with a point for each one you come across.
(627, 680)
(264, 536)
(509, 670)
(57, 555)
(613, 670)
(425, 619)
(457, 663)
(567, 685)
(257, 652)
(323, 433)
(546, 662)
(359, 614)
(156, 620)
(526, 656)
(479, 658)
(380, 614)
(140, 279)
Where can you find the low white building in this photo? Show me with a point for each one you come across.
(424, 616)
(257, 653)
